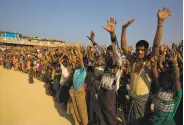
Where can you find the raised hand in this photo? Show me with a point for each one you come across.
(78, 50)
(163, 48)
(164, 13)
(130, 49)
(125, 25)
(77, 45)
(84, 50)
(180, 57)
(174, 46)
(110, 25)
(92, 35)
(174, 57)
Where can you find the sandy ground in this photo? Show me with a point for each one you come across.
(22, 103)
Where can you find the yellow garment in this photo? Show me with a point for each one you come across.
(28, 65)
(53, 73)
(72, 109)
(77, 106)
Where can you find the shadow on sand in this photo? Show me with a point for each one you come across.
(62, 112)
(60, 109)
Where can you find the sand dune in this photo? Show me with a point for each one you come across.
(22, 103)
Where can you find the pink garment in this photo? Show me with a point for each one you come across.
(84, 86)
(40, 68)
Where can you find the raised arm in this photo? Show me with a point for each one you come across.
(162, 15)
(154, 69)
(80, 55)
(91, 54)
(97, 47)
(124, 41)
(115, 47)
(180, 58)
(111, 29)
(175, 70)
(163, 50)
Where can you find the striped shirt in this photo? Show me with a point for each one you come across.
(166, 105)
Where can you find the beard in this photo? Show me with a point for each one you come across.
(109, 60)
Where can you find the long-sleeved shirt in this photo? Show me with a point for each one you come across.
(117, 60)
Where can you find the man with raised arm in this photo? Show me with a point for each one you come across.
(141, 71)
(108, 78)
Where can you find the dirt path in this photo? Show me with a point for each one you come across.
(22, 103)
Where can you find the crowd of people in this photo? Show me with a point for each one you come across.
(103, 85)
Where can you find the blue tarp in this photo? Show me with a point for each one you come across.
(10, 35)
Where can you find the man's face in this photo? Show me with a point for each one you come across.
(99, 61)
(77, 64)
(140, 52)
(92, 49)
(109, 57)
(109, 53)
(65, 63)
(166, 81)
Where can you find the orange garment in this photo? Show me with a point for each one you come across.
(28, 65)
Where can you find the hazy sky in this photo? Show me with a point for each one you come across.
(72, 20)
